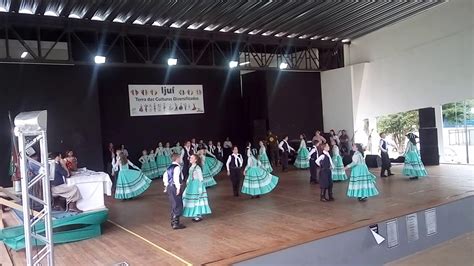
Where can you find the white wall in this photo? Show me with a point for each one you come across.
(337, 99)
(424, 61)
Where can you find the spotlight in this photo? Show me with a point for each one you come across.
(346, 40)
(233, 64)
(172, 61)
(26, 11)
(3, 9)
(283, 65)
(51, 13)
(99, 59)
(24, 54)
(244, 63)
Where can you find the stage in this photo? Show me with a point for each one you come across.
(138, 231)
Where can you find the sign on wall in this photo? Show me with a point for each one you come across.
(149, 100)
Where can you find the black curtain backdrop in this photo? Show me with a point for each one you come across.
(68, 94)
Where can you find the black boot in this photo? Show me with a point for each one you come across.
(323, 195)
(330, 196)
(175, 223)
(389, 172)
(382, 174)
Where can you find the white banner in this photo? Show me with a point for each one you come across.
(147, 100)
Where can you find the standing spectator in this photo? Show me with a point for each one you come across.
(272, 143)
(227, 145)
(344, 142)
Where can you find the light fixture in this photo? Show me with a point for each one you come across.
(98, 59)
(280, 34)
(74, 15)
(138, 22)
(211, 27)
(233, 64)
(325, 39)
(172, 61)
(335, 39)
(244, 63)
(26, 11)
(283, 65)
(292, 35)
(24, 54)
(98, 18)
(51, 13)
(254, 32)
(195, 26)
(315, 37)
(3, 9)
(267, 33)
(160, 22)
(303, 36)
(177, 24)
(226, 29)
(346, 40)
(118, 20)
(241, 30)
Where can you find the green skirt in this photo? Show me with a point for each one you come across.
(162, 164)
(130, 184)
(263, 158)
(257, 181)
(195, 201)
(361, 183)
(211, 168)
(338, 173)
(302, 161)
(413, 165)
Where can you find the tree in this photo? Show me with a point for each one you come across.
(453, 113)
(398, 125)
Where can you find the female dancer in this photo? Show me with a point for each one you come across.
(130, 183)
(263, 158)
(302, 161)
(177, 148)
(325, 177)
(362, 182)
(153, 166)
(167, 152)
(338, 173)
(257, 181)
(145, 167)
(210, 167)
(195, 199)
(413, 166)
(161, 162)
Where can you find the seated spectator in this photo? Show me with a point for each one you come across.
(59, 188)
(71, 161)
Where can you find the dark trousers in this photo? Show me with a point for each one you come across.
(274, 156)
(176, 201)
(313, 171)
(284, 160)
(235, 176)
(386, 164)
(185, 170)
(227, 152)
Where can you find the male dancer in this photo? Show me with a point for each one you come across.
(313, 167)
(185, 155)
(272, 144)
(285, 152)
(172, 180)
(234, 169)
(386, 164)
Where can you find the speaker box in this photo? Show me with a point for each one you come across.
(373, 161)
(427, 117)
(429, 146)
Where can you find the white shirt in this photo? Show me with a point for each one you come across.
(313, 150)
(197, 173)
(281, 146)
(176, 177)
(321, 157)
(185, 152)
(239, 161)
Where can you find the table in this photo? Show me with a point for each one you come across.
(92, 185)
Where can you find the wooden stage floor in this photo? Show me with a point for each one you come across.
(240, 228)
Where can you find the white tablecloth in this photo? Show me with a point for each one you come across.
(92, 185)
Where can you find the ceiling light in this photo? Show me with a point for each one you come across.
(346, 40)
(211, 27)
(325, 39)
(267, 33)
(241, 30)
(226, 29)
(172, 61)
(292, 35)
(195, 26)
(335, 39)
(283, 65)
(160, 22)
(303, 36)
(233, 64)
(244, 63)
(24, 54)
(139, 22)
(177, 24)
(26, 11)
(98, 18)
(281, 34)
(51, 13)
(98, 59)
(3, 9)
(315, 37)
(74, 15)
(254, 32)
(118, 20)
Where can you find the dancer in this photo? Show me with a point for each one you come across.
(413, 166)
(313, 167)
(177, 148)
(317, 137)
(161, 161)
(338, 172)
(362, 182)
(344, 142)
(154, 173)
(302, 161)
(194, 145)
(172, 180)
(324, 161)
(210, 167)
(185, 156)
(227, 145)
(334, 136)
(211, 148)
(130, 183)
(234, 169)
(257, 181)
(145, 167)
(167, 152)
(195, 201)
(274, 151)
(285, 152)
(386, 164)
(219, 151)
(263, 158)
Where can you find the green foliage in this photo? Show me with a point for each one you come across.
(398, 125)
(454, 112)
